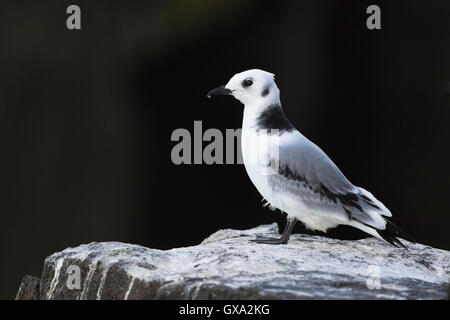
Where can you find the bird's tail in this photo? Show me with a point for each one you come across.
(392, 233)
(374, 220)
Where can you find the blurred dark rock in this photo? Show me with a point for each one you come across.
(227, 265)
(29, 288)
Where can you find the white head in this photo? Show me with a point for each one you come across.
(252, 88)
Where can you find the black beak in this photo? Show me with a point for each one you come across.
(219, 91)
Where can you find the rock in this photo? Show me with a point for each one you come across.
(227, 266)
(29, 288)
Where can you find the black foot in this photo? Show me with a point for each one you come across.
(284, 238)
(266, 240)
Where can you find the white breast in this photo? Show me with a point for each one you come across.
(257, 150)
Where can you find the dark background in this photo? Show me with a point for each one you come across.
(86, 116)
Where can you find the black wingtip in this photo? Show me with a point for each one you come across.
(392, 233)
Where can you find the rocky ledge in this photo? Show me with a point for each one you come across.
(227, 265)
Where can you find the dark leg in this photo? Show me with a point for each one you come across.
(290, 223)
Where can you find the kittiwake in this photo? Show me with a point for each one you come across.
(305, 183)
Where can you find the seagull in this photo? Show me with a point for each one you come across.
(303, 181)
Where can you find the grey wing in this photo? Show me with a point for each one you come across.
(306, 172)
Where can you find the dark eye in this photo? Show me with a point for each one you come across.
(247, 83)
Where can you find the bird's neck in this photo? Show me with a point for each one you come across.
(256, 107)
(259, 116)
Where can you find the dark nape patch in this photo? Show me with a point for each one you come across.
(265, 92)
(273, 117)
